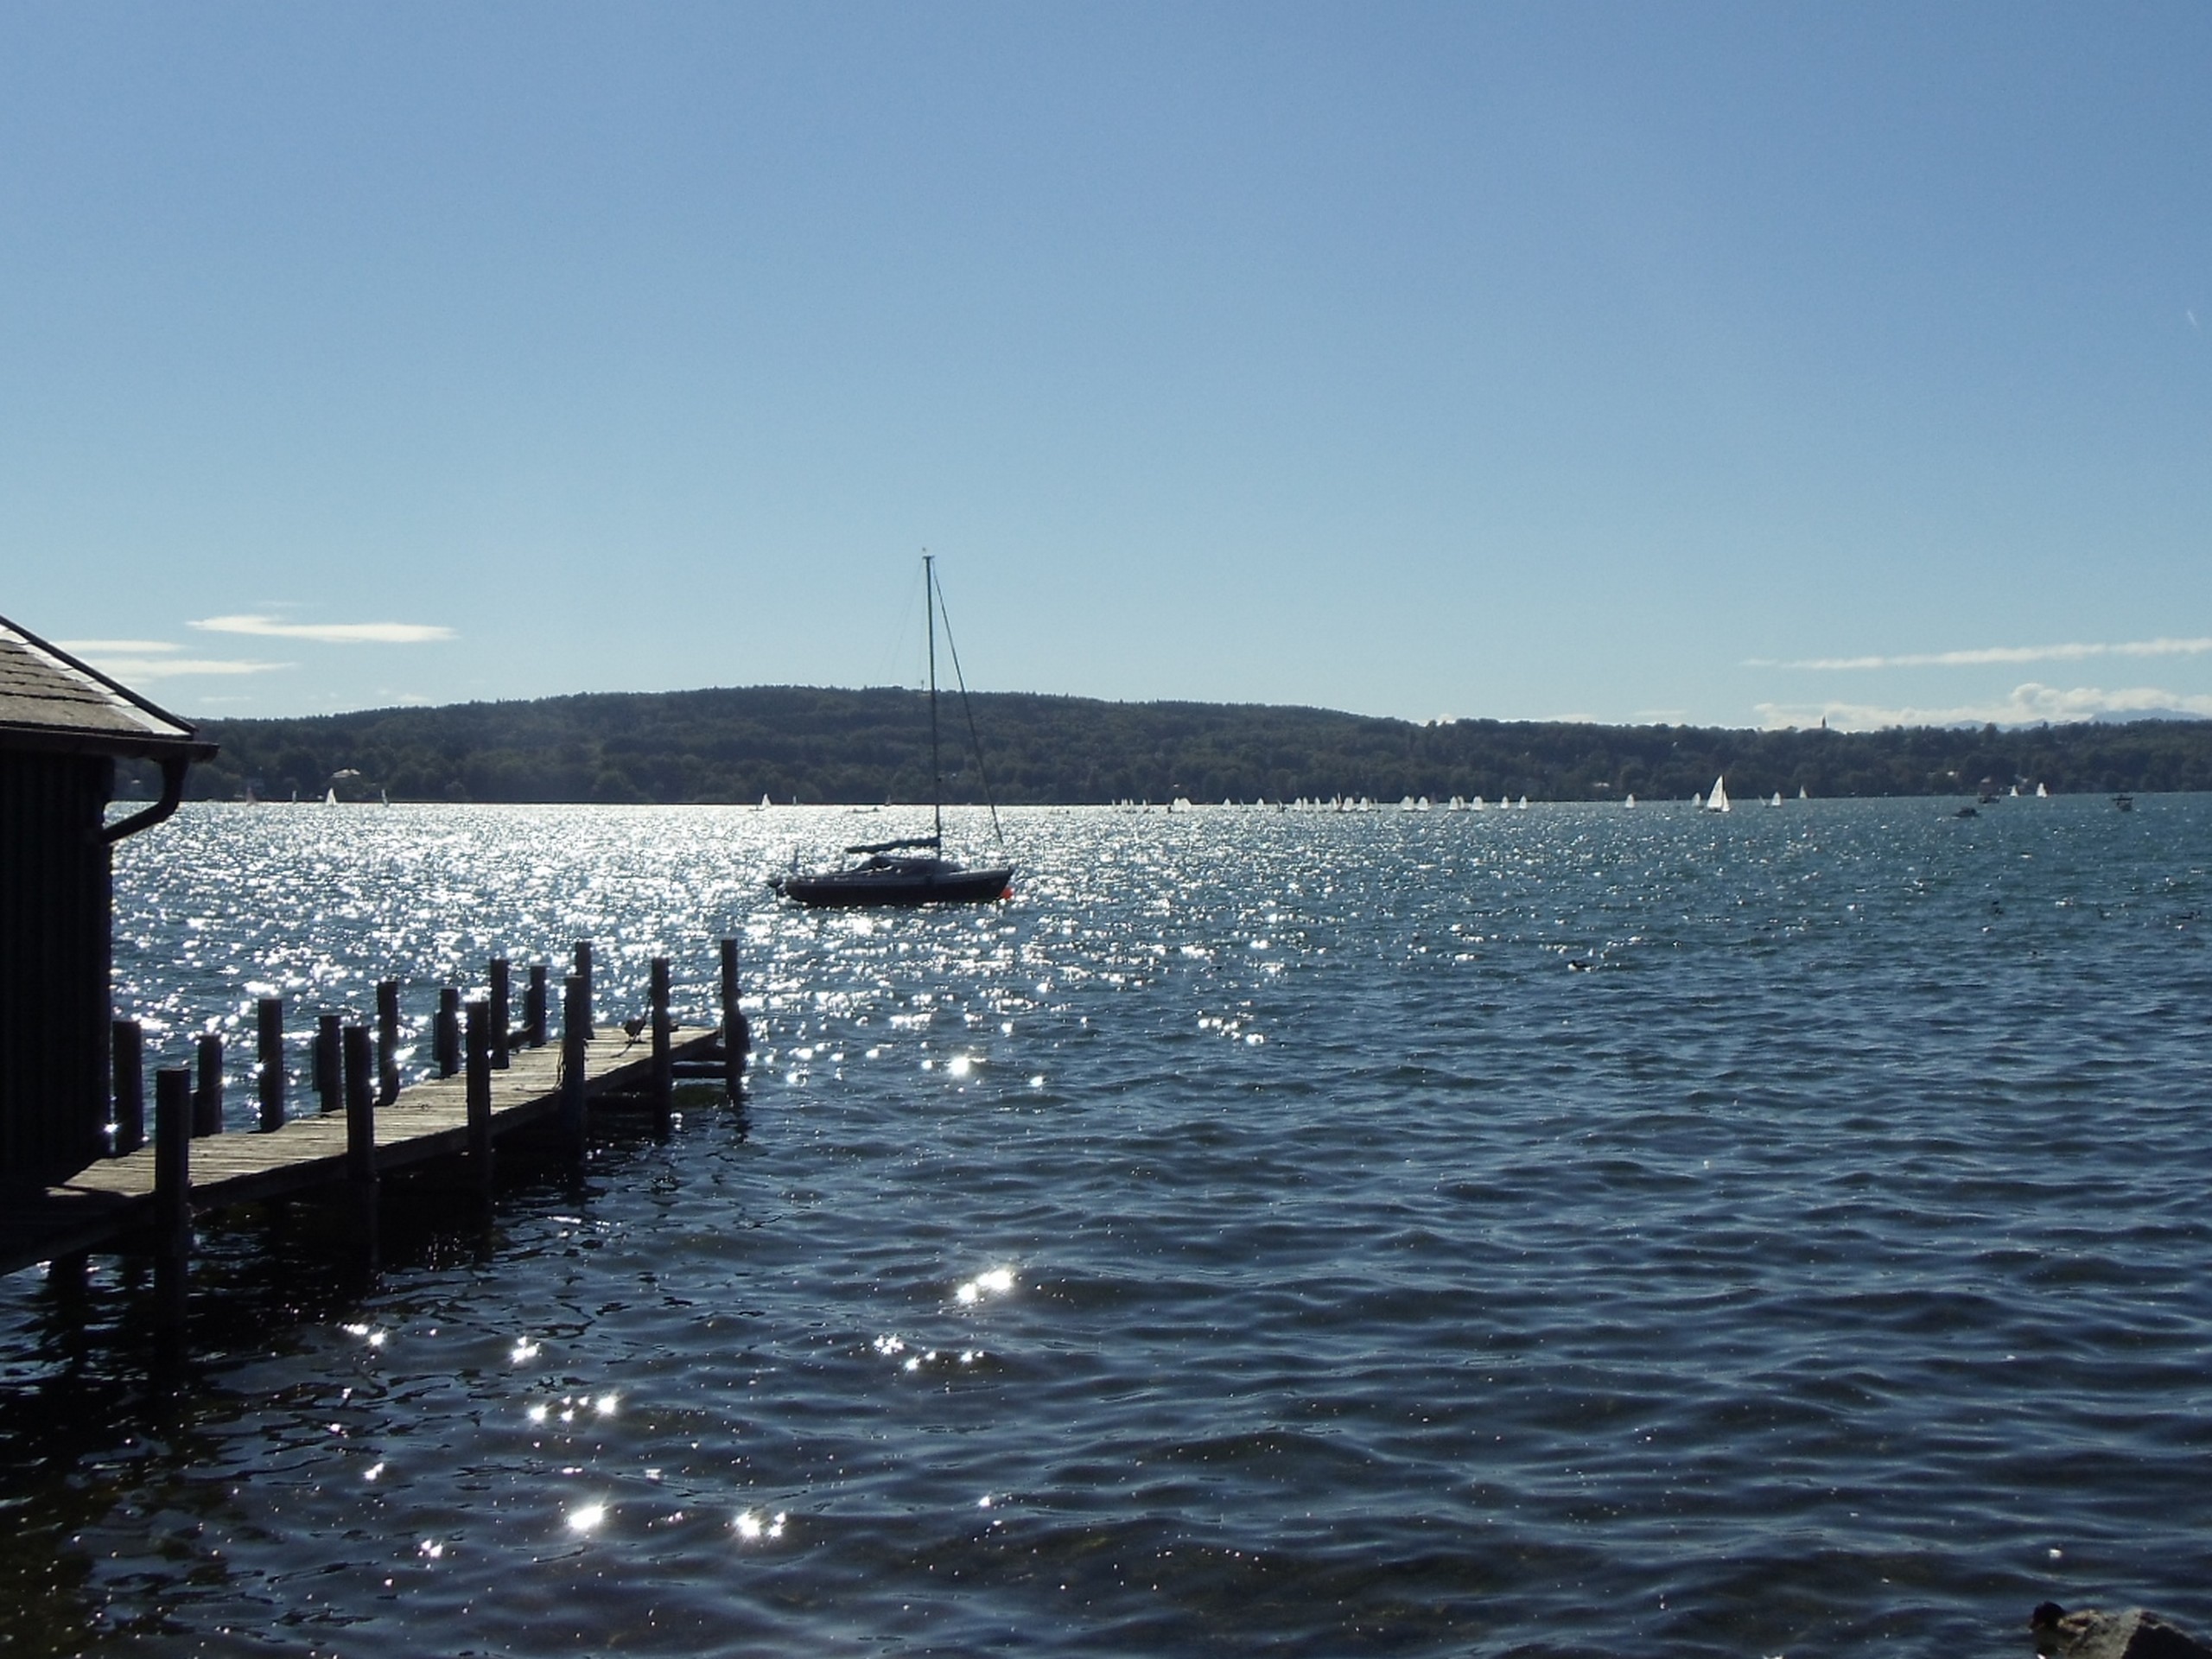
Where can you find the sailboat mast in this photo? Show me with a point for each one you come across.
(937, 771)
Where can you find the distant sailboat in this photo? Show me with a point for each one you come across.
(1718, 801)
(1522, 805)
(1776, 801)
(2042, 794)
(330, 797)
(1801, 791)
(1632, 800)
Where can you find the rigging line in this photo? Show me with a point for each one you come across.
(896, 663)
(975, 740)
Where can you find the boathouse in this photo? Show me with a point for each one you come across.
(63, 726)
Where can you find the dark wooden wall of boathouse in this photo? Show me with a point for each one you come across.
(54, 950)
(63, 725)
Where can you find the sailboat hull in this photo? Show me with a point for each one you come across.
(895, 888)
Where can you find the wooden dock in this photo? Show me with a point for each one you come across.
(115, 1198)
(145, 1199)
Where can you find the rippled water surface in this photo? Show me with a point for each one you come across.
(1573, 1231)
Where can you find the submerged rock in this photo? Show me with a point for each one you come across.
(2130, 1634)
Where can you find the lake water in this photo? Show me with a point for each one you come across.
(1572, 1230)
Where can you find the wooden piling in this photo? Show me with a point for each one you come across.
(481, 1023)
(207, 1098)
(329, 1071)
(584, 974)
(361, 1135)
(573, 1001)
(127, 1048)
(270, 1019)
(172, 1194)
(534, 1005)
(68, 1280)
(387, 1041)
(501, 974)
(445, 1038)
(737, 1036)
(664, 1083)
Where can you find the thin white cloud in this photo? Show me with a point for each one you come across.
(131, 670)
(344, 633)
(1985, 656)
(114, 647)
(2027, 705)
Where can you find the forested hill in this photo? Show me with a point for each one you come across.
(873, 746)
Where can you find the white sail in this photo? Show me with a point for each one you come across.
(1631, 798)
(330, 797)
(1801, 791)
(1776, 801)
(2042, 794)
(1718, 801)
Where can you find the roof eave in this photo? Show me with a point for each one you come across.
(74, 740)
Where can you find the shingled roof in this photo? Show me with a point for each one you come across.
(48, 700)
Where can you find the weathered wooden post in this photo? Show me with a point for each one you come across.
(387, 1041)
(737, 1036)
(127, 1045)
(481, 1023)
(573, 1001)
(501, 974)
(583, 976)
(445, 1038)
(534, 1013)
(663, 1060)
(329, 1076)
(270, 1017)
(207, 1098)
(361, 1135)
(172, 1194)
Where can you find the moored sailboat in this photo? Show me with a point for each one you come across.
(909, 870)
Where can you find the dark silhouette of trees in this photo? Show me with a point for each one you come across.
(811, 745)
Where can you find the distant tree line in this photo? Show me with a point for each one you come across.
(871, 746)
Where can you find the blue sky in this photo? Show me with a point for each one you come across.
(1728, 364)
